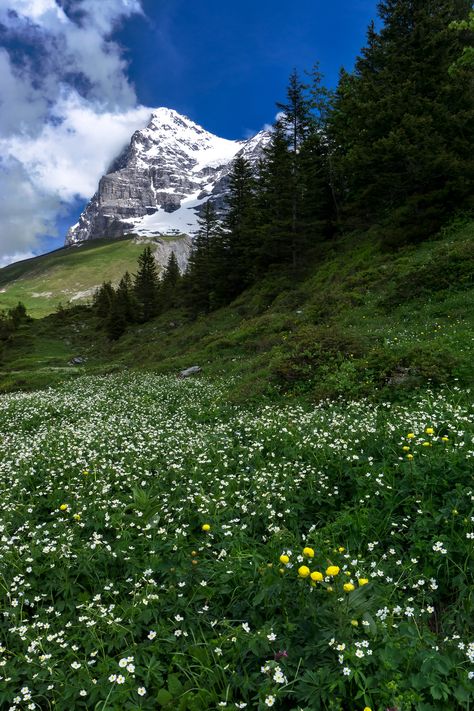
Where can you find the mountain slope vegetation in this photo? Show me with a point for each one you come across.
(71, 274)
(359, 321)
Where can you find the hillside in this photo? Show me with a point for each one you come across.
(299, 516)
(71, 274)
(360, 321)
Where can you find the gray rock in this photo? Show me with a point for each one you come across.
(172, 166)
(193, 370)
(402, 376)
(77, 360)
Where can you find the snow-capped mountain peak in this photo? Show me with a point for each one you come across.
(161, 180)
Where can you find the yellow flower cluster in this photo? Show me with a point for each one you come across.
(316, 576)
(426, 443)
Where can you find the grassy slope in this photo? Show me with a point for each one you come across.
(359, 318)
(60, 275)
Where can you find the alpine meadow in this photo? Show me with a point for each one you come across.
(236, 416)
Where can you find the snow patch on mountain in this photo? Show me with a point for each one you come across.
(158, 184)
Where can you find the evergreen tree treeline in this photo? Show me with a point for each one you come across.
(10, 322)
(391, 147)
(402, 123)
(138, 299)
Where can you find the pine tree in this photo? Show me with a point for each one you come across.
(241, 240)
(203, 265)
(18, 315)
(318, 210)
(116, 322)
(170, 283)
(7, 328)
(402, 126)
(126, 300)
(295, 115)
(147, 286)
(298, 125)
(324, 194)
(466, 58)
(275, 196)
(102, 299)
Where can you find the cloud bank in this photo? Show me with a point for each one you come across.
(67, 108)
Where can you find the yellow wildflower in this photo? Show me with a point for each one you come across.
(429, 430)
(349, 587)
(354, 623)
(308, 552)
(363, 581)
(303, 571)
(317, 576)
(410, 435)
(206, 527)
(332, 570)
(410, 456)
(77, 517)
(284, 559)
(63, 507)
(341, 549)
(406, 448)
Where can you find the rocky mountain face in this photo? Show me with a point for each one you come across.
(159, 183)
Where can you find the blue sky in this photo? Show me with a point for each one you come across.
(77, 77)
(225, 63)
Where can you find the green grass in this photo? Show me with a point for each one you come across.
(331, 430)
(115, 598)
(359, 322)
(68, 274)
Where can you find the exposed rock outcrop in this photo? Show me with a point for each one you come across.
(161, 180)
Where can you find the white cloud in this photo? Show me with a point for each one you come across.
(67, 159)
(26, 211)
(66, 109)
(17, 257)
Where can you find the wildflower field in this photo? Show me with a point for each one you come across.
(163, 548)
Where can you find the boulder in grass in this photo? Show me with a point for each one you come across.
(77, 360)
(193, 370)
